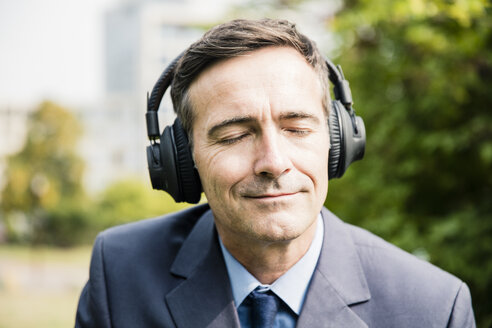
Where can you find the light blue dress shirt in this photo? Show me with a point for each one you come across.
(291, 287)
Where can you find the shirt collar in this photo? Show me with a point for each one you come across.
(291, 287)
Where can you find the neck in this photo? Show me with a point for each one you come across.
(268, 260)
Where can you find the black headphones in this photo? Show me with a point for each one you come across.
(171, 165)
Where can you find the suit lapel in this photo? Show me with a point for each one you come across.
(204, 299)
(337, 283)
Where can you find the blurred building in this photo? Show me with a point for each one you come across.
(141, 38)
(13, 121)
(12, 129)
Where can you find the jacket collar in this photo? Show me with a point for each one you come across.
(338, 281)
(196, 247)
(205, 297)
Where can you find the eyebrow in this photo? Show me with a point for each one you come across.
(228, 122)
(299, 115)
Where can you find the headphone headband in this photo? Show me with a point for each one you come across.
(335, 75)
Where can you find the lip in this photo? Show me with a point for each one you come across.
(272, 196)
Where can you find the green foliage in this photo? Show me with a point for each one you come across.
(68, 224)
(421, 73)
(43, 201)
(130, 200)
(43, 175)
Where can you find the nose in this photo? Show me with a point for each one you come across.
(272, 157)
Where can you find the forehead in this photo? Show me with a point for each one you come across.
(273, 78)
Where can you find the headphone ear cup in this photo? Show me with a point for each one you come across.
(336, 154)
(188, 178)
(168, 178)
(154, 163)
(171, 165)
(347, 139)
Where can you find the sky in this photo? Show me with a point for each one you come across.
(51, 49)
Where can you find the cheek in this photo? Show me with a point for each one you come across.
(314, 163)
(220, 171)
(315, 167)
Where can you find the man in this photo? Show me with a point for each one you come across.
(253, 99)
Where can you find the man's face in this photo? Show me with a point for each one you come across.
(260, 144)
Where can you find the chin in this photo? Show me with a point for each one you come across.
(279, 229)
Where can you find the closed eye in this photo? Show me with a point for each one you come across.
(232, 140)
(298, 132)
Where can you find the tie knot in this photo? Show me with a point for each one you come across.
(264, 308)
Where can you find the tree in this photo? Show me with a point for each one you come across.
(421, 73)
(43, 177)
(130, 200)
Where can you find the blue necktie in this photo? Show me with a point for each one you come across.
(264, 307)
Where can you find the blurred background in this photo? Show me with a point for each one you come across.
(73, 82)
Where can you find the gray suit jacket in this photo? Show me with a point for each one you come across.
(169, 272)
